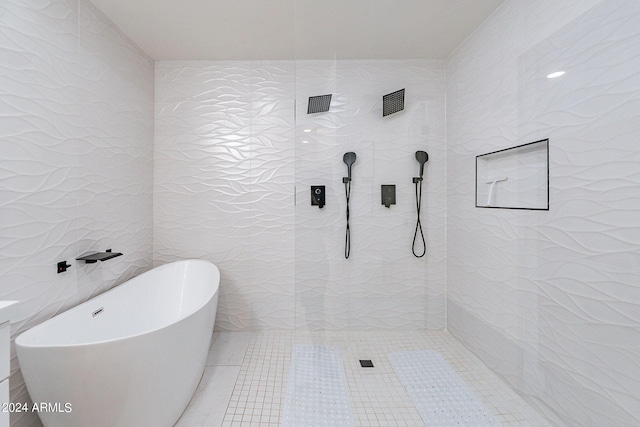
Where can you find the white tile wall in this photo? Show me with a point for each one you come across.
(381, 285)
(230, 153)
(224, 170)
(76, 123)
(550, 299)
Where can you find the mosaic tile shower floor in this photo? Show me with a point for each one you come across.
(245, 382)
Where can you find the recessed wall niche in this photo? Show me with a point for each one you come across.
(514, 178)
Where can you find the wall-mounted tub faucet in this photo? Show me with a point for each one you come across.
(92, 258)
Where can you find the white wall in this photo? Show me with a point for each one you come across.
(230, 154)
(551, 300)
(224, 182)
(76, 116)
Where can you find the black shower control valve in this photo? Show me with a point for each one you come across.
(317, 196)
(388, 193)
(62, 266)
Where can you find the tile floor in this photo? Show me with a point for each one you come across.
(245, 380)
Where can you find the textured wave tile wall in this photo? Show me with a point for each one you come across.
(551, 299)
(224, 168)
(76, 116)
(382, 285)
(229, 154)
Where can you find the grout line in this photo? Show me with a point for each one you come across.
(377, 396)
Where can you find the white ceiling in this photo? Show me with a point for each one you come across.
(297, 29)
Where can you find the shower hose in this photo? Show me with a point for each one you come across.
(418, 182)
(347, 235)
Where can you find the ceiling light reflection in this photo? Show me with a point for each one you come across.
(555, 74)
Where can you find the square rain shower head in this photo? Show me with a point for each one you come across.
(393, 102)
(319, 104)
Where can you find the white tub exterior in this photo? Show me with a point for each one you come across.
(136, 363)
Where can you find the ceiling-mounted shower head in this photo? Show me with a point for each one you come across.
(393, 102)
(422, 157)
(349, 159)
(319, 104)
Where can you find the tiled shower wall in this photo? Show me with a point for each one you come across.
(551, 300)
(224, 171)
(76, 116)
(235, 157)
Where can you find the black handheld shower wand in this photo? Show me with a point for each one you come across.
(422, 157)
(349, 159)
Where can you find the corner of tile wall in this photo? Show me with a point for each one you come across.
(534, 292)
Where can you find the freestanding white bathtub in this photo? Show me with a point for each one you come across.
(132, 356)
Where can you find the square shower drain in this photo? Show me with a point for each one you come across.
(366, 363)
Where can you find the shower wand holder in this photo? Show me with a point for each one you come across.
(346, 180)
(417, 179)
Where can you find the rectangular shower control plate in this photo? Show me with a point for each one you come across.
(318, 195)
(388, 193)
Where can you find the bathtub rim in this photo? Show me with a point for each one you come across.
(36, 329)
